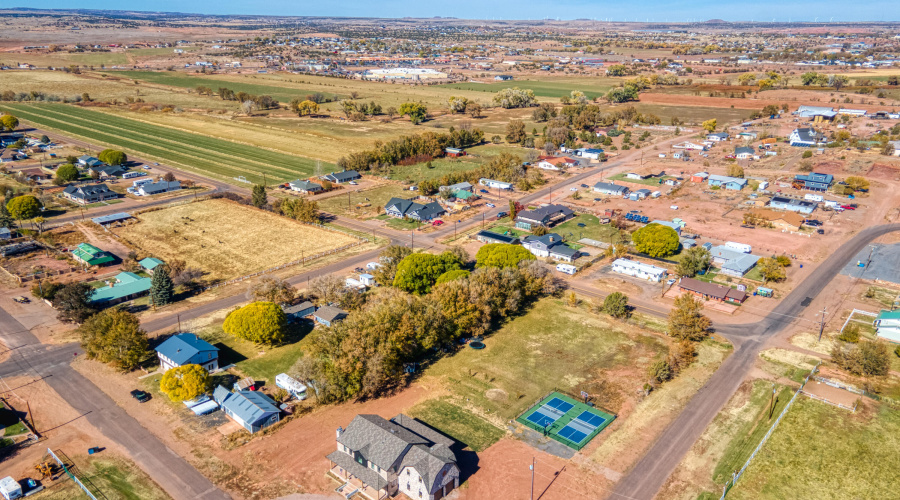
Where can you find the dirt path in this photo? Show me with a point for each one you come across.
(104, 241)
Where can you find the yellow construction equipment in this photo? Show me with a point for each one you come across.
(46, 469)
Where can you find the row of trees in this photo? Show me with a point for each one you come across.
(505, 167)
(430, 144)
(226, 94)
(366, 353)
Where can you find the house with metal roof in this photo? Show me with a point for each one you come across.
(90, 255)
(887, 325)
(329, 315)
(304, 186)
(610, 189)
(152, 188)
(150, 263)
(712, 291)
(104, 220)
(299, 311)
(492, 237)
(342, 177)
(187, 349)
(89, 161)
(717, 136)
(816, 112)
(640, 270)
(732, 183)
(639, 194)
(731, 261)
(89, 193)
(379, 458)
(743, 153)
(105, 171)
(792, 204)
(253, 410)
(815, 181)
(460, 186)
(506, 186)
(125, 286)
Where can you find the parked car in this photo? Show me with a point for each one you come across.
(141, 396)
(437, 222)
(484, 191)
(352, 183)
(21, 299)
(820, 231)
(584, 185)
(491, 205)
(501, 215)
(848, 207)
(671, 281)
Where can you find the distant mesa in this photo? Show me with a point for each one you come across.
(717, 21)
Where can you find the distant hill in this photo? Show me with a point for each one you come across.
(717, 21)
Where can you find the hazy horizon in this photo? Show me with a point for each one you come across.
(645, 11)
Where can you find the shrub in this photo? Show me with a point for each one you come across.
(659, 371)
(185, 382)
(850, 334)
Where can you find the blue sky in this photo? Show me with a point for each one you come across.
(654, 10)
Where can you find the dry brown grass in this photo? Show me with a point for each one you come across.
(226, 239)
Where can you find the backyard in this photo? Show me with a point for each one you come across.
(364, 204)
(115, 478)
(226, 239)
(553, 346)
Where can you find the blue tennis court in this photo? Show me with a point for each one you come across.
(591, 419)
(571, 434)
(541, 420)
(560, 405)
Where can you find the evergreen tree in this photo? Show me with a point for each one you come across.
(6, 220)
(259, 198)
(161, 287)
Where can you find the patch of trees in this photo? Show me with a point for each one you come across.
(112, 157)
(866, 359)
(8, 122)
(259, 322)
(304, 107)
(693, 260)
(356, 112)
(67, 173)
(616, 305)
(24, 207)
(515, 98)
(505, 167)
(260, 102)
(114, 336)
(299, 209)
(771, 269)
(73, 302)
(392, 152)
(813, 78)
(656, 240)
(365, 355)
(418, 272)
(417, 112)
(502, 255)
(686, 320)
(185, 382)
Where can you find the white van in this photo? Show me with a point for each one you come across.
(566, 268)
(292, 385)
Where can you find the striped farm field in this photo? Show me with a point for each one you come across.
(209, 156)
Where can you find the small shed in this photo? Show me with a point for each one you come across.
(367, 279)
(150, 263)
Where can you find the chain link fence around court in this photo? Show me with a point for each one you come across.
(737, 475)
(80, 479)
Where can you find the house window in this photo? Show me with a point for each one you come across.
(407, 486)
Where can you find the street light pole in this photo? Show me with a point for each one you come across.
(532, 478)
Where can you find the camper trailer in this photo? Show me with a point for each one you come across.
(292, 385)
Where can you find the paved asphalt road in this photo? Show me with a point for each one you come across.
(651, 473)
(174, 474)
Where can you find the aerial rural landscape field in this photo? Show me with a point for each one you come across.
(399, 255)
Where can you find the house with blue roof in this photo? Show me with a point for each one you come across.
(253, 410)
(150, 263)
(187, 349)
(732, 183)
(815, 181)
(125, 286)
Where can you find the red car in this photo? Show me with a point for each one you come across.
(848, 207)
(437, 222)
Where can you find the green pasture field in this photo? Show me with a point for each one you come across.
(552, 87)
(209, 156)
(185, 80)
(691, 114)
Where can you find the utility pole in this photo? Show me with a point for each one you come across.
(532, 478)
(179, 323)
(772, 406)
(822, 325)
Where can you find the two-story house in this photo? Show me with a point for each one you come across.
(379, 458)
(187, 349)
(814, 181)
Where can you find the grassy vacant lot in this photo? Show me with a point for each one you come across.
(364, 204)
(207, 155)
(553, 86)
(226, 239)
(693, 114)
(553, 346)
(821, 451)
(116, 478)
(592, 229)
(652, 181)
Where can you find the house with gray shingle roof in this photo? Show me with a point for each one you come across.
(378, 458)
(253, 410)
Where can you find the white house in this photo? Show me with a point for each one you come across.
(187, 349)
(887, 325)
(805, 137)
(506, 186)
(639, 270)
(743, 153)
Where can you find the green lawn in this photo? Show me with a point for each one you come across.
(185, 80)
(258, 362)
(210, 156)
(592, 229)
(821, 451)
(463, 426)
(551, 347)
(400, 224)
